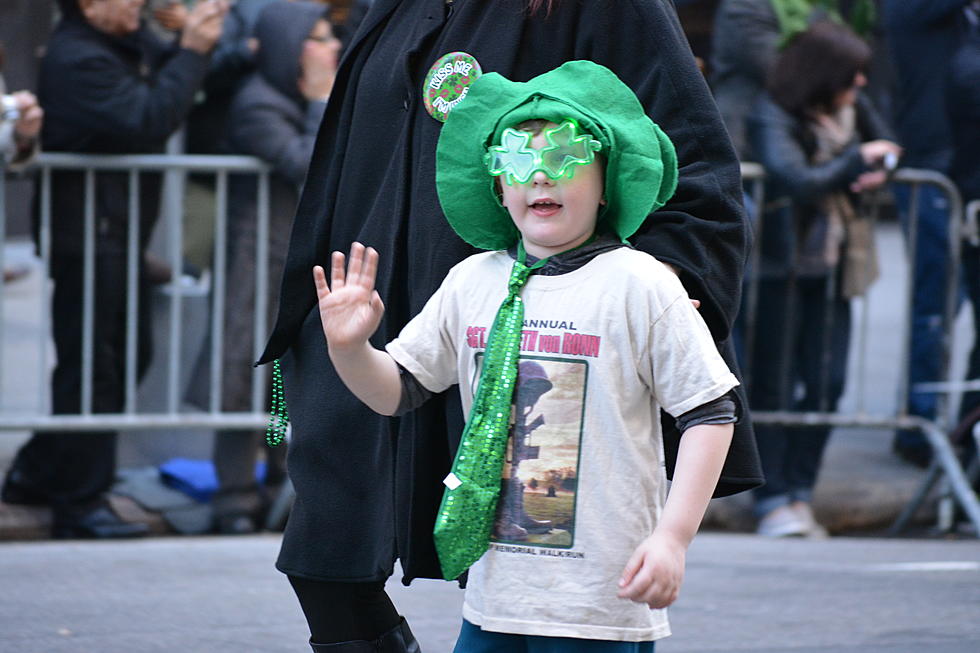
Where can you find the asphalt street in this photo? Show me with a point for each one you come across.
(742, 593)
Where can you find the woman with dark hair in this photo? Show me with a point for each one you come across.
(368, 488)
(821, 143)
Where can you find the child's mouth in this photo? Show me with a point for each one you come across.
(544, 208)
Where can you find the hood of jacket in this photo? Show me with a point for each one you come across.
(281, 29)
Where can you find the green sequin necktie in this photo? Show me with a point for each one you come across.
(462, 531)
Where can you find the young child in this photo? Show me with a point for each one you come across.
(571, 341)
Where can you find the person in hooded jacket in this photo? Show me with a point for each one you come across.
(274, 116)
(107, 86)
(367, 499)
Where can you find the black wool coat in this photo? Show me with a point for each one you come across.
(368, 487)
(103, 94)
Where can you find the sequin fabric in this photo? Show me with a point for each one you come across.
(465, 518)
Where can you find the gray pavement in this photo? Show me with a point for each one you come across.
(742, 593)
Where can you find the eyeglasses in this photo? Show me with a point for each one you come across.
(516, 159)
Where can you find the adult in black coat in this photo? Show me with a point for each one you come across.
(368, 487)
(106, 87)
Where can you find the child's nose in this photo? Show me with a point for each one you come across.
(541, 178)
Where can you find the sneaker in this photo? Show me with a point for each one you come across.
(805, 513)
(781, 522)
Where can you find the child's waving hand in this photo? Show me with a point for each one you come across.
(350, 308)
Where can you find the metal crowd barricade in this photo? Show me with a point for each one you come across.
(945, 465)
(175, 416)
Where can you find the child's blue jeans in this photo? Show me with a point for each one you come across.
(474, 640)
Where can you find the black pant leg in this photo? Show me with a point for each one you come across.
(771, 385)
(345, 612)
(74, 468)
(825, 328)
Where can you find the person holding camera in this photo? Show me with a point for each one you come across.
(20, 125)
(110, 87)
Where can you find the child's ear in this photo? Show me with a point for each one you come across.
(602, 202)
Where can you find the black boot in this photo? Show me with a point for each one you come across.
(397, 640)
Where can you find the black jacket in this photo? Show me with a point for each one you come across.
(784, 145)
(364, 482)
(922, 36)
(963, 101)
(109, 95)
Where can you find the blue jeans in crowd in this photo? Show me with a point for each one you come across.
(474, 640)
(928, 299)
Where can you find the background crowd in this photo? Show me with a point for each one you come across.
(254, 77)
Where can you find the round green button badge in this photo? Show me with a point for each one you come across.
(447, 83)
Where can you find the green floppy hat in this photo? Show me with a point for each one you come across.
(641, 165)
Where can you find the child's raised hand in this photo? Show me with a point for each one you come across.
(654, 572)
(350, 308)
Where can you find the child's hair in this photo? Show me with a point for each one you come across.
(534, 126)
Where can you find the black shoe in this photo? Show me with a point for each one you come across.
(397, 640)
(99, 523)
(17, 491)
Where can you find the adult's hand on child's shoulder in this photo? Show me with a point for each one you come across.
(654, 572)
(677, 273)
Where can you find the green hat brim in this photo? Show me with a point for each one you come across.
(640, 162)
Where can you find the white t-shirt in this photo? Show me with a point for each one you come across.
(604, 347)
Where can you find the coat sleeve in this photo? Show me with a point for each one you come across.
(754, 30)
(107, 97)
(871, 124)
(922, 12)
(774, 139)
(260, 128)
(702, 229)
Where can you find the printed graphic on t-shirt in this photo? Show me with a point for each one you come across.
(539, 481)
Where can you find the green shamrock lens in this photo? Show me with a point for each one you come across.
(516, 159)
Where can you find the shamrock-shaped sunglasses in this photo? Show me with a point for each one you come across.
(516, 159)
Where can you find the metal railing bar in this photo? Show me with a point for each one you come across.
(132, 292)
(912, 241)
(122, 421)
(149, 162)
(956, 226)
(756, 174)
(88, 295)
(219, 270)
(261, 288)
(3, 240)
(44, 236)
(176, 246)
(865, 303)
(971, 229)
